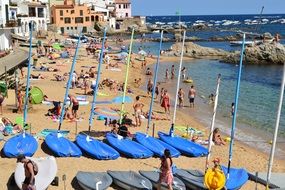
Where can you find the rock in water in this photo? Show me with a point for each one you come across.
(193, 50)
(267, 53)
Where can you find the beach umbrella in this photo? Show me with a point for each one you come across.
(119, 99)
(107, 113)
(56, 46)
(154, 84)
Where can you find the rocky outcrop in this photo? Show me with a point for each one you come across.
(267, 53)
(193, 50)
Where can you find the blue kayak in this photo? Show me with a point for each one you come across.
(96, 148)
(238, 177)
(23, 143)
(128, 147)
(155, 145)
(185, 146)
(61, 146)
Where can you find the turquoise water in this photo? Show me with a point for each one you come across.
(258, 100)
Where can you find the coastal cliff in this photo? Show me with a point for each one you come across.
(194, 50)
(267, 53)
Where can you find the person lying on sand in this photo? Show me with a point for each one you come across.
(59, 77)
(39, 76)
(9, 128)
(217, 139)
(153, 116)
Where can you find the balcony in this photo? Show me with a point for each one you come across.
(11, 23)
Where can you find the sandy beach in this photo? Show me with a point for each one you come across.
(243, 156)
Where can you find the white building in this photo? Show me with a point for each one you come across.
(5, 25)
(29, 10)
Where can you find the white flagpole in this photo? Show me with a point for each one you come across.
(213, 122)
(276, 131)
(178, 80)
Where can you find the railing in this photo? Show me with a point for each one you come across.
(11, 23)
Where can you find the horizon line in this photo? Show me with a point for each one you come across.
(215, 14)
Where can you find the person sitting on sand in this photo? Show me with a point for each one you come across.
(148, 72)
(55, 111)
(123, 129)
(217, 139)
(114, 125)
(68, 115)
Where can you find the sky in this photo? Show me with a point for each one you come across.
(206, 7)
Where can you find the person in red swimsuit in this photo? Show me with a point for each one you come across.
(165, 102)
(166, 175)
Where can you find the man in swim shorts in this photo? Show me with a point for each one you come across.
(75, 105)
(191, 96)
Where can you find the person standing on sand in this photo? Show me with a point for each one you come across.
(183, 73)
(138, 111)
(191, 96)
(165, 175)
(166, 74)
(165, 102)
(149, 86)
(1, 101)
(31, 170)
(75, 105)
(172, 72)
(20, 97)
(156, 91)
(181, 97)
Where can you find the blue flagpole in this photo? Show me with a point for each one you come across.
(235, 108)
(28, 76)
(97, 81)
(69, 81)
(154, 83)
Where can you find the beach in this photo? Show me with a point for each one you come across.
(243, 156)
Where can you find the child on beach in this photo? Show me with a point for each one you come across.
(181, 97)
(183, 73)
(172, 72)
(232, 109)
(166, 74)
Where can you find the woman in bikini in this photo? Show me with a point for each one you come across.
(217, 139)
(165, 102)
(166, 175)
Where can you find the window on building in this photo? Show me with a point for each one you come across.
(72, 11)
(71, 28)
(75, 27)
(87, 19)
(67, 20)
(66, 11)
(67, 28)
(78, 19)
(41, 12)
(52, 20)
(81, 12)
(119, 6)
(127, 14)
(61, 12)
(32, 12)
(61, 18)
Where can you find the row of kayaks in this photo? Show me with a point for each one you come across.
(183, 179)
(143, 146)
